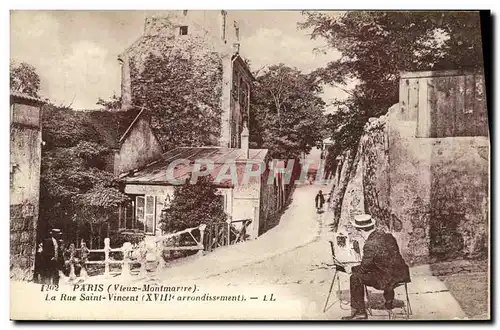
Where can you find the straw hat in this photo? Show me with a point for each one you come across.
(55, 232)
(363, 221)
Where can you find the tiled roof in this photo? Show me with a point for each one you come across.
(156, 173)
(112, 125)
(102, 126)
(26, 97)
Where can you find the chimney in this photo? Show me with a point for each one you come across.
(244, 140)
(236, 48)
(126, 88)
(236, 45)
(223, 15)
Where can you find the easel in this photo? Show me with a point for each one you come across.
(339, 267)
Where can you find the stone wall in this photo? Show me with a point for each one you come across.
(25, 157)
(438, 192)
(342, 179)
(431, 192)
(353, 197)
(139, 148)
(271, 197)
(246, 205)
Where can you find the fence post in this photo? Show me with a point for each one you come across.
(210, 237)
(229, 230)
(126, 262)
(202, 228)
(106, 256)
(72, 274)
(142, 257)
(71, 261)
(83, 259)
(159, 255)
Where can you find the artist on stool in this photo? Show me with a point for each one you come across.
(382, 266)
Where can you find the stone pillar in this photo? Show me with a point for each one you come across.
(25, 160)
(126, 249)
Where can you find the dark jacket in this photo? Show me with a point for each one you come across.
(320, 200)
(48, 253)
(381, 257)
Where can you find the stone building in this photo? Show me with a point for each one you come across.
(198, 35)
(422, 170)
(137, 146)
(25, 160)
(152, 189)
(147, 185)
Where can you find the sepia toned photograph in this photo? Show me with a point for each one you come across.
(249, 165)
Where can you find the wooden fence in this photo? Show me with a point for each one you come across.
(150, 251)
(225, 233)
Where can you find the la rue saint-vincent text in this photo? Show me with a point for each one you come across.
(113, 292)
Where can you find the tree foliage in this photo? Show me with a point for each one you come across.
(375, 46)
(287, 113)
(182, 92)
(113, 104)
(193, 205)
(24, 78)
(76, 188)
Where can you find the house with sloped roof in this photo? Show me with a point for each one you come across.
(259, 198)
(126, 134)
(248, 187)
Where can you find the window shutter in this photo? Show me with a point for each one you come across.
(139, 212)
(149, 215)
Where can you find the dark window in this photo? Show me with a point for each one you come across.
(183, 30)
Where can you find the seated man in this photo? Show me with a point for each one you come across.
(382, 266)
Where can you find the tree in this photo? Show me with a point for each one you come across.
(24, 79)
(193, 205)
(113, 104)
(287, 113)
(182, 89)
(77, 194)
(376, 46)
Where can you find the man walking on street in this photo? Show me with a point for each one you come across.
(382, 267)
(319, 200)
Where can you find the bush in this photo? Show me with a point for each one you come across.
(117, 238)
(193, 205)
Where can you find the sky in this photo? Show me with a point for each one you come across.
(75, 52)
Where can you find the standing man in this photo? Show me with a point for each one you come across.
(39, 275)
(382, 266)
(319, 200)
(50, 258)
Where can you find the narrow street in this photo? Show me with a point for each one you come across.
(290, 260)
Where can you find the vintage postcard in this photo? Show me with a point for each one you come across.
(249, 165)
